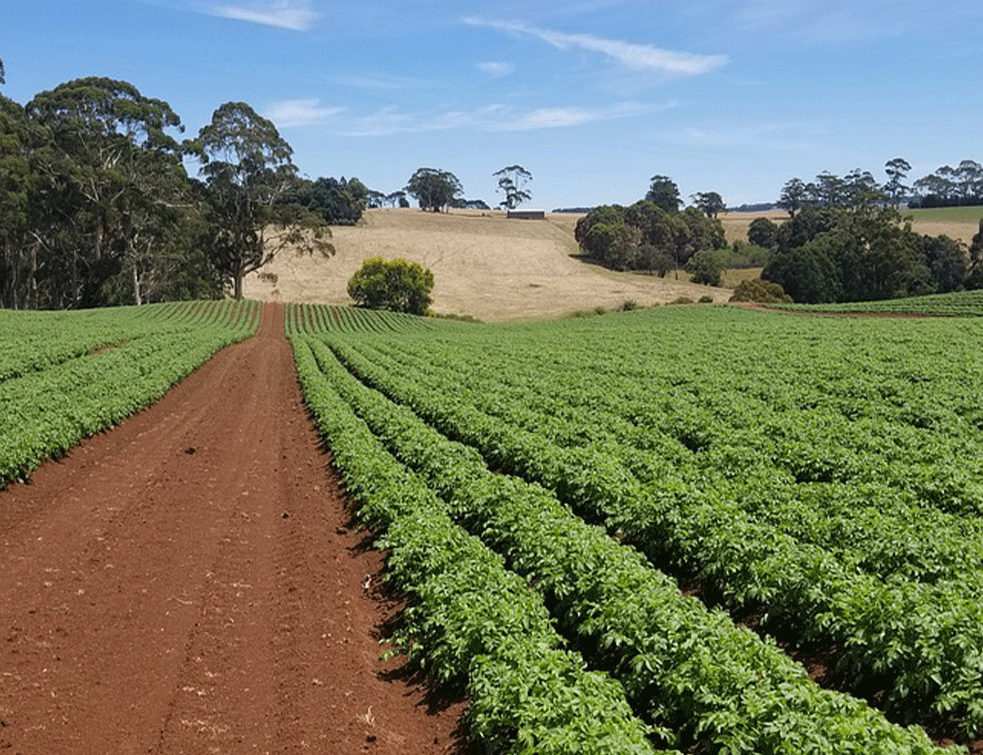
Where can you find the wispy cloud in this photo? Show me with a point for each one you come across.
(310, 112)
(296, 15)
(493, 68)
(494, 117)
(777, 136)
(638, 57)
(381, 81)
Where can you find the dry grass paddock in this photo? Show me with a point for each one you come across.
(496, 269)
(485, 265)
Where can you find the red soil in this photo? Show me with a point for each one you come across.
(190, 582)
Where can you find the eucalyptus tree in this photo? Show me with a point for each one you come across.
(15, 198)
(511, 179)
(897, 170)
(710, 202)
(101, 141)
(664, 192)
(794, 196)
(248, 169)
(434, 189)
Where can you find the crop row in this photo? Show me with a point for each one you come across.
(35, 341)
(840, 403)
(471, 619)
(958, 304)
(871, 525)
(922, 641)
(45, 412)
(321, 318)
(691, 669)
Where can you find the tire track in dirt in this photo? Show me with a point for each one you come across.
(188, 583)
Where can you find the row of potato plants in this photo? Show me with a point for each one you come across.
(690, 669)
(471, 620)
(47, 410)
(922, 641)
(828, 401)
(859, 478)
(957, 304)
(32, 341)
(869, 525)
(317, 318)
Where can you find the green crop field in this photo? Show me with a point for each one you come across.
(629, 533)
(822, 473)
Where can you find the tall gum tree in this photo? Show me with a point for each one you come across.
(248, 171)
(101, 136)
(511, 179)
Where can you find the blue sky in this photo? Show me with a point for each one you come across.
(593, 97)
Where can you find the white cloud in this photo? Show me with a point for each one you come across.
(495, 117)
(310, 112)
(296, 15)
(635, 56)
(563, 117)
(496, 69)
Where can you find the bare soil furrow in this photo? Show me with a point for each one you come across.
(189, 582)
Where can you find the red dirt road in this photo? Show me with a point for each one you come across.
(188, 583)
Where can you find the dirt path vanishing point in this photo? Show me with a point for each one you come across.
(190, 583)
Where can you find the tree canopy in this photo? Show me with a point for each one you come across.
(664, 193)
(710, 202)
(828, 254)
(644, 235)
(248, 170)
(434, 189)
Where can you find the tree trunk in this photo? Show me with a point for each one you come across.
(136, 285)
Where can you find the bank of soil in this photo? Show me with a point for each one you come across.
(191, 582)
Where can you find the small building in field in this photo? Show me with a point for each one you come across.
(528, 214)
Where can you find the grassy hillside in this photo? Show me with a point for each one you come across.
(485, 265)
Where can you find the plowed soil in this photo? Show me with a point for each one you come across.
(190, 582)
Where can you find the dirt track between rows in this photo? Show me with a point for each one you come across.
(190, 582)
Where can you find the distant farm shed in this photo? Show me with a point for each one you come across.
(528, 214)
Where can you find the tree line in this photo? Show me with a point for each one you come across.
(837, 254)
(653, 234)
(97, 207)
(946, 187)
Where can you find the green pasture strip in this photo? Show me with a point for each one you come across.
(691, 669)
(47, 410)
(957, 304)
(471, 619)
(946, 214)
(924, 640)
(869, 525)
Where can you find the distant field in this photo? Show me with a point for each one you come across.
(485, 265)
(736, 223)
(948, 215)
(956, 222)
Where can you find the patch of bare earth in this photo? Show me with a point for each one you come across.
(485, 265)
(190, 583)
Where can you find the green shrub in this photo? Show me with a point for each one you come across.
(706, 267)
(396, 285)
(762, 291)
